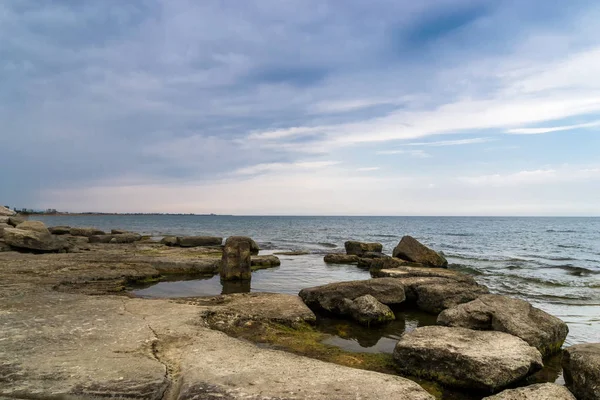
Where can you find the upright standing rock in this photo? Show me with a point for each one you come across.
(410, 249)
(236, 261)
(581, 366)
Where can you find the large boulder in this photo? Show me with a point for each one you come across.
(60, 230)
(465, 358)
(87, 232)
(33, 240)
(236, 260)
(541, 391)
(581, 369)
(17, 219)
(505, 314)
(264, 262)
(199, 241)
(341, 258)
(410, 249)
(367, 310)
(333, 297)
(35, 226)
(169, 241)
(436, 297)
(6, 211)
(359, 248)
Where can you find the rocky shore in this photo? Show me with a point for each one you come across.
(70, 329)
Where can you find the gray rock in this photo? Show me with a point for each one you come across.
(87, 232)
(33, 240)
(368, 311)
(396, 268)
(60, 230)
(169, 241)
(359, 248)
(236, 260)
(119, 231)
(436, 297)
(541, 391)
(341, 259)
(126, 237)
(465, 358)
(410, 249)
(17, 219)
(504, 314)
(199, 241)
(263, 262)
(581, 368)
(5, 212)
(374, 254)
(334, 297)
(100, 238)
(35, 226)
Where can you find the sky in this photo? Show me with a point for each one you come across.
(301, 107)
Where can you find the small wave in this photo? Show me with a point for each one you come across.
(513, 267)
(328, 245)
(465, 268)
(570, 246)
(575, 271)
(460, 234)
(386, 236)
(560, 231)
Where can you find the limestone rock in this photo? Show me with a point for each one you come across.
(6, 211)
(263, 262)
(33, 240)
(199, 241)
(4, 219)
(17, 219)
(87, 232)
(119, 231)
(100, 238)
(332, 297)
(410, 249)
(396, 268)
(169, 241)
(459, 357)
(504, 314)
(359, 248)
(60, 230)
(541, 391)
(35, 226)
(581, 367)
(236, 261)
(341, 259)
(368, 311)
(436, 297)
(125, 237)
(2, 227)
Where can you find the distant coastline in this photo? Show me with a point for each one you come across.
(88, 214)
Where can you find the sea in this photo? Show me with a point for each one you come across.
(552, 262)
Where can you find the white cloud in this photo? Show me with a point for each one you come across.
(458, 142)
(564, 174)
(278, 167)
(368, 169)
(412, 153)
(537, 131)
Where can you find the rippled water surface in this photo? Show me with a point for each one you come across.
(552, 262)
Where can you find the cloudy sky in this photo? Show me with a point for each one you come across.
(386, 107)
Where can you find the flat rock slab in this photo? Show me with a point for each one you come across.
(542, 391)
(341, 258)
(505, 314)
(394, 268)
(581, 366)
(264, 262)
(464, 358)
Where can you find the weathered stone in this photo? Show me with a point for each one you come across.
(541, 391)
(199, 266)
(119, 231)
(15, 220)
(199, 241)
(60, 230)
(125, 237)
(581, 368)
(332, 297)
(410, 249)
(292, 253)
(6, 211)
(436, 297)
(35, 226)
(4, 219)
(236, 260)
(2, 227)
(3, 245)
(33, 240)
(374, 254)
(396, 268)
(100, 238)
(169, 241)
(368, 311)
(263, 262)
(86, 232)
(359, 248)
(341, 259)
(465, 358)
(505, 314)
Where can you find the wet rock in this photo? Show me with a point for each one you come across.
(263, 262)
(199, 241)
(254, 249)
(335, 297)
(368, 311)
(410, 249)
(359, 248)
(465, 358)
(505, 314)
(60, 230)
(17, 219)
(33, 240)
(542, 391)
(199, 266)
(291, 253)
(374, 254)
(6, 212)
(169, 241)
(87, 232)
(436, 297)
(341, 259)
(581, 368)
(236, 260)
(35, 226)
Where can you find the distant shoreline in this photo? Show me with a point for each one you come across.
(98, 214)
